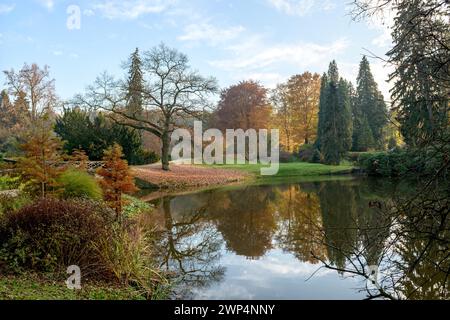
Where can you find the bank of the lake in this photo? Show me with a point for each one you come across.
(195, 177)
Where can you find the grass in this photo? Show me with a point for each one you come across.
(30, 286)
(294, 169)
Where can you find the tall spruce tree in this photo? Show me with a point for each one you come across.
(322, 108)
(335, 129)
(369, 111)
(135, 84)
(421, 77)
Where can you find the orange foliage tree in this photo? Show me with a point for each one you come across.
(116, 178)
(243, 106)
(40, 165)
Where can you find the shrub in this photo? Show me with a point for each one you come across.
(9, 183)
(79, 184)
(116, 178)
(402, 162)
(286, 157)
(306, 152)
(134, 206)
(317, 156)
(52, 234)
(145, 157)
(11, 202)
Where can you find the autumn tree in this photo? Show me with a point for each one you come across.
(116, 178)
(14, 119)
(283, 117)
(173, 91)
(303, 97)
(35, 85)
(40, 165)
(243, 106)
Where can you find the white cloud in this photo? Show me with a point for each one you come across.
(49, 4)
(301, 7)
(209, 33)
(132, 9)
(6, 8)
(88, 12)
(57, 52)
(300, 54)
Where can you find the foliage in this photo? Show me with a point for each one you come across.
(52, 234)
(135, 85)
(134, 206)
(243, 106)
(421, 77)
(296, 104)
(14, 118)
(303, 96)
(10, 202)
(173, 92)
(363, 139)
(39, 167)
(146, 157)
(9, 183)
(399, 163)
(369, 111)
(335, 119)
(306, 152)
(79, 184)
(116, 178)
(127, 254)
(80, 132)
(34, 88)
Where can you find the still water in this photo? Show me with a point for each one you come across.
(259, 242)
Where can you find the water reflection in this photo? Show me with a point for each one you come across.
(265, 241)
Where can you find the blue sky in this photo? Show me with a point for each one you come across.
(233, 40)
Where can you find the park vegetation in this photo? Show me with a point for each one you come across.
(55, 211)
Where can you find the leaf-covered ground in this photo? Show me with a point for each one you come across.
(186, 176)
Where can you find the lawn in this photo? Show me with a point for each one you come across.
(294, 169)
(38, 287)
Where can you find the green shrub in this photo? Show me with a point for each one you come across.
(403, 162)
(79, 184)
(134, 206)
(9, 183)
(306, 152)
(12, 202)
(145, 157)
(317, 156)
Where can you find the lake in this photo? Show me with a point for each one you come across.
(269, 241)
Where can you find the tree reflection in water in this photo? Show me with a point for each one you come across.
(189, 247)
(348, 226)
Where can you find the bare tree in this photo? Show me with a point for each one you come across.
(172, 92)
(37, 86)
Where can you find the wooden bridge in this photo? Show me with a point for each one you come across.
(91, 165)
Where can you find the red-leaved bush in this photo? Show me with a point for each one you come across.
(53, 234)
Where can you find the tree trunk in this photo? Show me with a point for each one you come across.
(165, 139)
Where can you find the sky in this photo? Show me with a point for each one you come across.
(232, 40)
